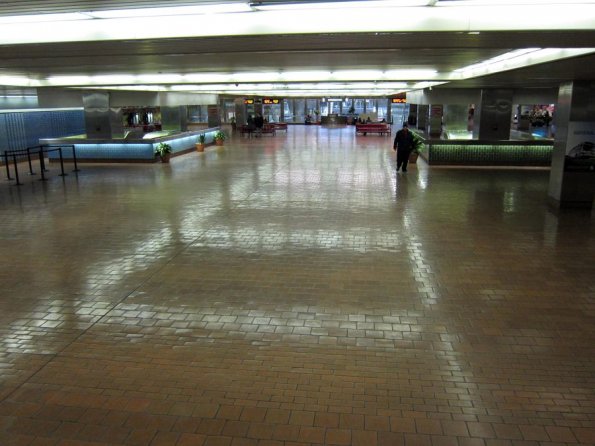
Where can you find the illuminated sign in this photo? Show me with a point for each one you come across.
(399, 100)
(270, 101)
(248, 101)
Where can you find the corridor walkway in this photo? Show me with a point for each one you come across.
(292, 290)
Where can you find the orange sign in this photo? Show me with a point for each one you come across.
(399, 100)
(248, 101)
(270, 101)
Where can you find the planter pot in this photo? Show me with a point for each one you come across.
(413, 157)
(219, 142)
(200, 147)
(165, 158)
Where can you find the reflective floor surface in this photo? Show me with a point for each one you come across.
(295, 290)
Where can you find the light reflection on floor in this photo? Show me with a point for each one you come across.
(293, 289)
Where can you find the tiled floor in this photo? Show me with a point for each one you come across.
(292, 290)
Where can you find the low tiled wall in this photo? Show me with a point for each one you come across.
(485, 153)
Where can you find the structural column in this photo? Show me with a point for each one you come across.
(491, 120)
(101, 120)
(572, 176)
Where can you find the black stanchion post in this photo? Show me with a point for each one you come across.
(16, 170)
(61, 162)
(30, 165)
(42, 164)
(7, 166)
(76, 169)
(45, 151)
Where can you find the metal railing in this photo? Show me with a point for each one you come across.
(40, 151)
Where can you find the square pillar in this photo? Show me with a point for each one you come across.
(492, 117)
(572, 175)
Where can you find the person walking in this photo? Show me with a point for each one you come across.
(258, 123)
(403, 145)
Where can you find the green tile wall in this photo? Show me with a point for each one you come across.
(490, 155)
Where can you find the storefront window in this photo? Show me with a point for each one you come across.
(271, 112)
(347, 106)
(197, 113)
(371, 106)
(312, 106)
(288, 110)
(359, 106)
(299, 111)
(382, 107)
(334, 106)
(229, 110)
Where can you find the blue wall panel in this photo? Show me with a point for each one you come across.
(19, 130)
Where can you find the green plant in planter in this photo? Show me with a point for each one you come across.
(418, 143)
(201, 138)
(219, 136)
(162, 149)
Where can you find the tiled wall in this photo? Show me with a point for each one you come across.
(22, 129)
(490, 155)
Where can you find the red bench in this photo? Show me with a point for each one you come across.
(267, 129)
(279, 125)
(376, 127)
(247, 130)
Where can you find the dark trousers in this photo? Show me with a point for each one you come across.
(402, 159)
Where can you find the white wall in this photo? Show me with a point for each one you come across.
(64, 97)
(173, 99)
(473, 96)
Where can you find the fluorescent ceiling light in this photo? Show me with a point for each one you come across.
(43, 18)
(410, 74)
(20, 81)
(231, 88)
(502, 57)
(69, 80)
(422, 85)
(460, 3)
(305, 75)
(220, 8)
(246, 77)
(518, 59)
(113, 79)
(340, 4)
(265, 92)
(159, 78)
(356, 75)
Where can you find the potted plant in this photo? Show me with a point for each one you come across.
(418, 145)
(219, 137)
(164, 151)
(200, 145)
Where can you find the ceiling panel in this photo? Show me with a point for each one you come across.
(443, 51)
(20, 7)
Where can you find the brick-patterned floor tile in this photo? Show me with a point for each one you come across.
(325, 419)
(338, 437)
(187, 439)
(312, 434)
(364, 438)
(295, 291)
(560, 434)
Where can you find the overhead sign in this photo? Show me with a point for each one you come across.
(248, 101)
(399, 100)
(270, 101)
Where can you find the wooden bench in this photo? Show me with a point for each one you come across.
(376, 127)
